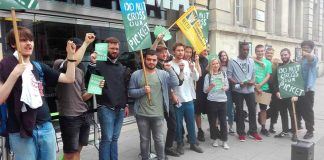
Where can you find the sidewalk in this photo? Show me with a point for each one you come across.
(269, 149)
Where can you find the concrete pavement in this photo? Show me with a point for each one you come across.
(269, 149)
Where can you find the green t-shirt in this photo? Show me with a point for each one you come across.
(156, 109)
(261, 73)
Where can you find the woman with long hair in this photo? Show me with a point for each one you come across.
(223, 57)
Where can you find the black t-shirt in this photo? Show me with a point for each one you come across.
(50, 79)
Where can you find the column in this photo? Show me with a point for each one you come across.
(292, 18)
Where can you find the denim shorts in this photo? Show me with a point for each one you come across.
(75, 131)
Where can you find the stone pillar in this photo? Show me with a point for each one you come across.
(270, 21)
(282, 12)
(299, 19)
(292, 18)
(320, 26)
(308, 20)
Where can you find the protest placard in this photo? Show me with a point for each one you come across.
(102, 51)
(166, 32)
(203, 16)
(264, 98)
(191, 28)
(135, 23)
(19, 4)
(290, 80)
(93, 86)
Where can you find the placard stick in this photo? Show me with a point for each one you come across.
(145, 78)
(14, 24)
(294, 115)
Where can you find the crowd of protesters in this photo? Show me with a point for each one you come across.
(178, 86)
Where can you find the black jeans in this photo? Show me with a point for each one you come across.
(217, 110)
(285, 106)
(171, 124)
(249, 98)
(305, 106)
(273, 111)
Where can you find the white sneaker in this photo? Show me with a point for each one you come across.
(215, 144)
(225, 145)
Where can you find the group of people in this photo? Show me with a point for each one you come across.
(169, 88)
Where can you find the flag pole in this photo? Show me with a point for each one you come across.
(15, 28)
(145, 77)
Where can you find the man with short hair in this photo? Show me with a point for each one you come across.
(305, 103)
(112, 104)
(150, 117)
(183, 97)
(241, 73)
(262, 75)
(284, 103)
(162, 56)
(74, 118)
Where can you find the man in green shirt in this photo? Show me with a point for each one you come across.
(150, 113)
(262, 75)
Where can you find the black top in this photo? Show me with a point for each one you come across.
(116, 76)
(32, 116)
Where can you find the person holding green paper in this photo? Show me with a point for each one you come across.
(241, 73)
(31, 133)
(215, 86)
(262, 76)
(112, 104)
(74, 118)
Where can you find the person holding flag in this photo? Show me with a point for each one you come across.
(150, 117)
(31, 134)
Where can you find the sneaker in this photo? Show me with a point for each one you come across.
(215, 144)
(196, 148)
(255, 136)
(265, 132)
(231, 131)
(308, 135)
(201, 135)
(171, 152)
(225, 145)
(281, 134)
(272, 130)
(180, 149)
(242, 138)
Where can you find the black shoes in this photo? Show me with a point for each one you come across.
(196, 148)
(294, 138)
(281, 134)
(265, 132)
(201, 135)
(308, 135)
(171, 152)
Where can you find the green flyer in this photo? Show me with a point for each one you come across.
(94, 82)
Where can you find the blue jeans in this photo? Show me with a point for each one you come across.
(111, 123)
(41, 146)
(187, 112)
(146, 125)
(229, 108)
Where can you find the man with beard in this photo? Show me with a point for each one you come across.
(112, 104)
(284, 103)
(150, 117)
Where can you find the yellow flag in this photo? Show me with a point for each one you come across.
(192, 29)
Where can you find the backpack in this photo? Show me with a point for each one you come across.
(3, 120)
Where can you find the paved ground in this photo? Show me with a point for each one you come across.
(270, 149)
